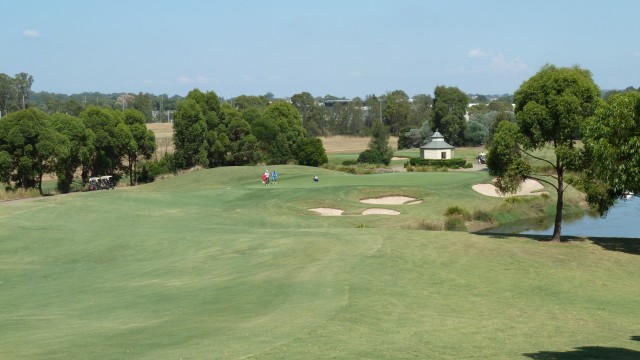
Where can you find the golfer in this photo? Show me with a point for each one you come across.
(274, 176)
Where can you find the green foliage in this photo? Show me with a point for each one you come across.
(151, 170)
(553, 104)
(189, 135)
(449, 109)
(81, 148)
(310, 152)
(397, 111)
(29, 148)
(454, 223)
(112, 139)
(349, 162)
(446, 163)
(475, 133)
(311, 112)
(612, 145)
(505, 160)
(143, 142)
(482, 215)
(426, 168)
(143, 103)
(370, 156)
(457, 210)
(379, 151)
(414, 138)
(551, 108)
(285, 122)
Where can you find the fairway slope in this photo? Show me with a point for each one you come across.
(212, 264)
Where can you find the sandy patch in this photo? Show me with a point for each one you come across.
(391, 200)
(380, 212)
(528, 187)
(328, 211)
(399, 158)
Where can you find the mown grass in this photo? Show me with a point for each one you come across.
(212, 264)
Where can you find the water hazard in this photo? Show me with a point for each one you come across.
(622, 221)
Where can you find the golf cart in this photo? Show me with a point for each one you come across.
(94, 183)
(107, 182)
(482, 158)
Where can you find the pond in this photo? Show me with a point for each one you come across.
(622, 221)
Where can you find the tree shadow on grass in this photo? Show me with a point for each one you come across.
(636, 338)
(625, 245)
(587, 352)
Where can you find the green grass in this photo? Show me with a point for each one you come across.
(211, 264)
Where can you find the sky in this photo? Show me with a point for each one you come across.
(340, 48)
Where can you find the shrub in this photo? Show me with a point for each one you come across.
(370, 157)
(152, 169)
(457, 210)
(349, 162)
(310, 152)
(482, 215)
(426, 169)
(447, 163)
(429, 225)
(454, 223)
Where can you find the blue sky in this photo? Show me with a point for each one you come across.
(343, 48)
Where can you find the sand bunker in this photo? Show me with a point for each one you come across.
(391, 200)
(328, 211)
(338, 212)
(380, 212)
(528, 187)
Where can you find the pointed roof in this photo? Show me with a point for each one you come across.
(437, 142)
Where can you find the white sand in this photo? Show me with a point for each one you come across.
(390, 200)
(380, 212)
(328, 211)
(528, 187)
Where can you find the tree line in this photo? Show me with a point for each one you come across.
(99, 141)
(413, 119)
(211, 133)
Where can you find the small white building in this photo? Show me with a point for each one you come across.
(437, 148)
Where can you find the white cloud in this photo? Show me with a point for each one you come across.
(638, 54)
(185, 80)
(199, 79)
(31, 33)
(500, 64)
(477, 53)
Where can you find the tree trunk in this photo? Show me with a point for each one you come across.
(40, 184)
(135, 172)
(557, 225)
(130, 171)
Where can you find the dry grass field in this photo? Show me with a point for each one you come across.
(163, 132)
(350, 144)
(332, 144)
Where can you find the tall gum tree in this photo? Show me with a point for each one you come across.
(612, 144)
(551, 110)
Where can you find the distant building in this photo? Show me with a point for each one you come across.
(437, 148)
